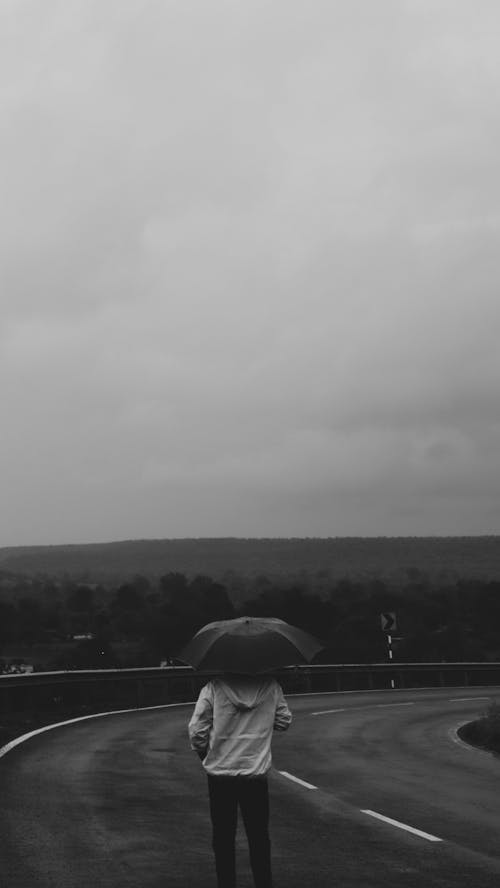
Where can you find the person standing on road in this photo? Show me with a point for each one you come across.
(231, 730)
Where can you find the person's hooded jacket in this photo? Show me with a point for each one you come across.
(232, 724)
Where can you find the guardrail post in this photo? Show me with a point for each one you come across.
(139, 693)
(307, 680)
(6, 700)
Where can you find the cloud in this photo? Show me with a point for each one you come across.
(249, 268)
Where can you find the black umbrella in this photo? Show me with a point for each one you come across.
(249, 645)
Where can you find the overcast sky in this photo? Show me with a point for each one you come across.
(250, 268)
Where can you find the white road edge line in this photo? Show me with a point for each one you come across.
(411, 829)
(297, 780)
(71, 721)
(453, 735)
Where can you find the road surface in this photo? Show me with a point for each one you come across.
(121, 801)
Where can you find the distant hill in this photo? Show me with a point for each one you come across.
(357, 557)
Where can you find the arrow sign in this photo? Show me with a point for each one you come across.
(388, 622)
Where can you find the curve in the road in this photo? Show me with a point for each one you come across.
(71, 721)
(121, 801)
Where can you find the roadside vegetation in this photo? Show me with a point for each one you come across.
(228, 559)
(51, 623)
(485, 731)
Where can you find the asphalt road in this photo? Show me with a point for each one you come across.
(121, 801)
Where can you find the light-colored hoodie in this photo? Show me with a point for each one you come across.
(233, 722)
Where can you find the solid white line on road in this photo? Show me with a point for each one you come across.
(411, 829)
(71, 721)
(327, 711)
(453, 735)
(297, 780)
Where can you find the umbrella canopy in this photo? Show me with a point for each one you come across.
(249, 645)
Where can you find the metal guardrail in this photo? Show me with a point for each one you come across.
(92, 689)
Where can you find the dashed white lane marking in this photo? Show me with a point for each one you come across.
(466, 699)
(411, 829)
(297, 780)
(327, 711)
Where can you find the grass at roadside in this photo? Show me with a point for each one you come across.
(485, 731)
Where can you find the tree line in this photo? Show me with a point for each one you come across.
(143, 622)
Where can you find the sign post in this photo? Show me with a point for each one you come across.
(389, 625)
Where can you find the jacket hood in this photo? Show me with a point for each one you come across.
(245, 692)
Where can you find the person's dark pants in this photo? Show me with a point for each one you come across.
(252, 796)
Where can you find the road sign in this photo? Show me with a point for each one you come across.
(388, 622)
